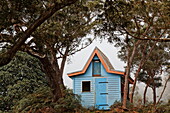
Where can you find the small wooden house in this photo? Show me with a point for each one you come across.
(99, 84)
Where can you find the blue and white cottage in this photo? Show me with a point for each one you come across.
(99, 84)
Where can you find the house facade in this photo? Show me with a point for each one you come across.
(98, 83)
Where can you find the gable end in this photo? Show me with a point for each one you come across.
(104, 61)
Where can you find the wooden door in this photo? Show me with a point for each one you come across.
(101, 93)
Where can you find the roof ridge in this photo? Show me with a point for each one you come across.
(108, 63)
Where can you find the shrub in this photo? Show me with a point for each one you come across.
(70, 103)
(41, 102)
(117, 104)
(36, 101)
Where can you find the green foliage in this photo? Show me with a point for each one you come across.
(67, 28)
(60, 36)
(41, 98)
(20, 18)
(137, 18)
(20, 77)
(70, 103)
(154, 65)
(16, 14)
(161, 108)
(24, 89)
(21, 12)
(148, 108)
(116, 104)
(41, 101)
(147, 79)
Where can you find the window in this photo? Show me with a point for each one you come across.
(85, 86)
(96, 68)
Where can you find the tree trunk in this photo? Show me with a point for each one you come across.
(63, 62)
(54, 77)
(134, 84)
(154, 95)
(61, 82)
(129, 64)
(153, 87)
(142, 62)
(144, 94)
(125, 93)
(163, 90)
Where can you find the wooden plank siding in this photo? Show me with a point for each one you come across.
(88, 98)
(114, 89)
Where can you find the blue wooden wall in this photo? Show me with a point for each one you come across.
(109, 87)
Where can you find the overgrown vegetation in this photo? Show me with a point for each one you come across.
(24, 88)
(41, 102)
(22, 76)
(147, 108)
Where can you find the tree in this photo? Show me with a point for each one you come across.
(17, 16)
(139, 19)
(22, 76)
(154, 67)
(166, 82)
(144, 51)
(152, 81)
(60, 36)
(148, 51)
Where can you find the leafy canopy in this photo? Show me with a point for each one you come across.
(22, 76)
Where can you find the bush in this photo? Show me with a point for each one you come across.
(147, 108)
(70, 103)
(117, 104)
(40, 99)
(41, 102)
(163, 108)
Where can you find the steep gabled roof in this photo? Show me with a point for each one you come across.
(104, 60)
